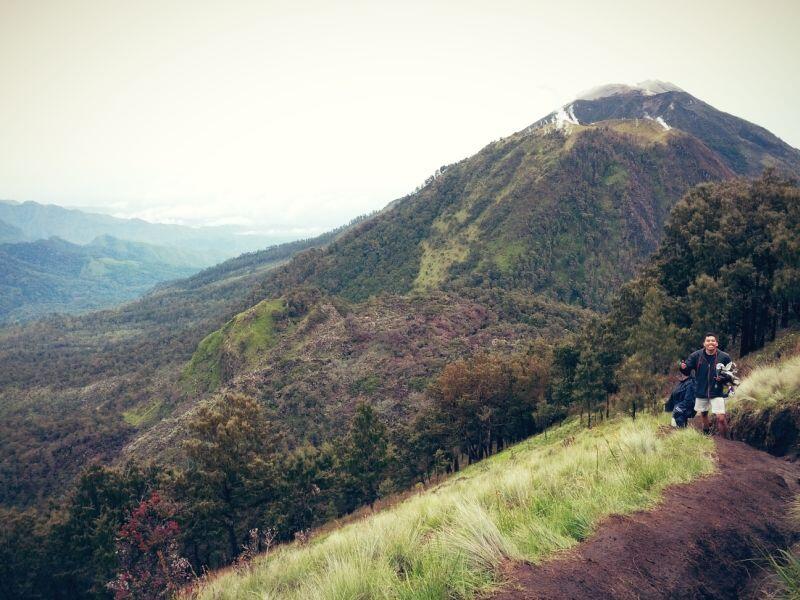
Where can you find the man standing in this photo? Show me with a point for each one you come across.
(708, 387)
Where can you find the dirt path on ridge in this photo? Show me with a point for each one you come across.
(701, 542)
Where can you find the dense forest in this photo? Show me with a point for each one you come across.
(240, 480)
(729, 263)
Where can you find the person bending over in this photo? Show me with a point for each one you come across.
(681, 401)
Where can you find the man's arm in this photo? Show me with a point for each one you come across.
(691, 362)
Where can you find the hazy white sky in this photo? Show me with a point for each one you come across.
(303, 115)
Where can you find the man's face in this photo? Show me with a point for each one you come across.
(710, 344)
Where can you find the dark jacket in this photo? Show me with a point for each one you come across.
(705, 372)
(681, 402)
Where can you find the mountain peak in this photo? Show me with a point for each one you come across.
(650, 87)
(746, 148)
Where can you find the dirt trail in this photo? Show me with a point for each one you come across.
(699, 543)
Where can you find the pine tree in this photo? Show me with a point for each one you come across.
(82, 546)
(653, 346)
(229, 485)
(306, 490)
(588, 383)
(365, 458)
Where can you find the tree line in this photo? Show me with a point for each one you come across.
(729, 263)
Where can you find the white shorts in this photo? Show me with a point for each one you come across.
(717, 405)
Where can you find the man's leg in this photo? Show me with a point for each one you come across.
(722, 425)
(703, 405)
(706, 424)
(718, 408)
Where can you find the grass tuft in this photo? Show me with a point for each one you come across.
(786, 567)
(774, 385)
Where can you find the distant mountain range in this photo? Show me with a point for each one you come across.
(526, 239)
(54, 275)
(64, 260)
(209, 245)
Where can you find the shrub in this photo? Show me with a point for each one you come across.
(147, 547)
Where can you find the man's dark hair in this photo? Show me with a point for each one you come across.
(711, 334)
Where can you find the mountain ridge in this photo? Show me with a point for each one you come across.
(53, 275)
(210, 245)
(512, 184)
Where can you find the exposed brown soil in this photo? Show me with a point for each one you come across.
(705, 540)
(774, 429)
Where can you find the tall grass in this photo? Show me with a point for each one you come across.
(536, 498)
(785, 566)
(769, 386)
(784, 583)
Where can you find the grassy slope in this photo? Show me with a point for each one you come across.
(538, 497)
(771, 377)
(243, 340)
(770, 386)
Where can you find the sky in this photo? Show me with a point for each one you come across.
(298, 116)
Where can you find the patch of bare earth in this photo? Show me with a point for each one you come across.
(705, 540)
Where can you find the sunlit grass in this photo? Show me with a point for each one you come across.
(769, 386)
(538, 497)
(143, 415)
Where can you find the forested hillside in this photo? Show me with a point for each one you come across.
(568, 213)
(48, 276)
(74, 389)
(515, 236)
